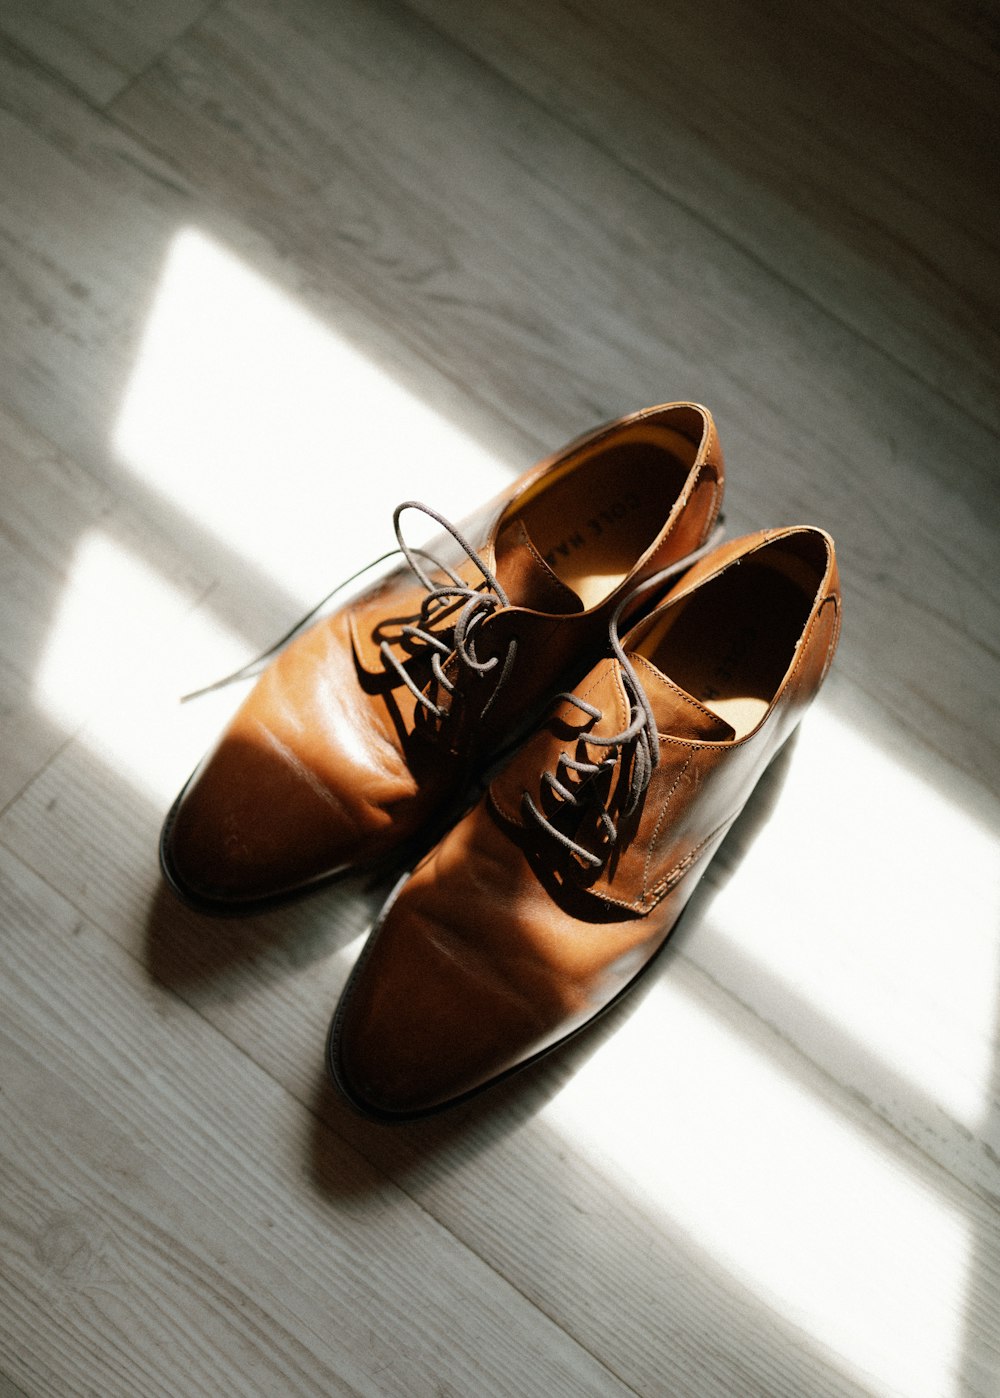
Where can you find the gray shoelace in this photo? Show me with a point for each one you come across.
(476, 606)
(641, 731)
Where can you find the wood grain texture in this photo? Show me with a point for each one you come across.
(97, 45)
(178, 1240)
(71, 639)
(852, 155)
(513, 1177)
(775, 1172)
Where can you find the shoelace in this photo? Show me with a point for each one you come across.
(477, 606)
(641, 730)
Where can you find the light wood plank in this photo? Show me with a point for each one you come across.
(97, 45)
(161, 1234)
(857, 430)
(853, 155)
(63, 655)
(270, 986)
(88, 221)
(90, 226)
(649, 1091)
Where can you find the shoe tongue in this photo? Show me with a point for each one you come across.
(677, 714)
(525, 576)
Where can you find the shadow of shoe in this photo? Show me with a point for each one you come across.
(187, 950)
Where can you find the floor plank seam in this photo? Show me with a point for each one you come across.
(717, 230)
(178, 38)
(832, 1082)
(316, 1117)
(51, 74)
(974, 775)
(780, 1174)
(39, 772)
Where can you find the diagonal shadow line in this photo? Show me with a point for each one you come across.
(243, 596)
(882, 1089)
(264, 593)
(240, 595)
(978, 1370)
(523, 1097)
(478, 1127)
(883, 1085)
(549, 88)
(869, 1081)
(259, 598)
(673, 1253)
(216, 549)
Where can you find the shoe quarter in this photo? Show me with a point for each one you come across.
(679, 807)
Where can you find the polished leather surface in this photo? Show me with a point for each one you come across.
(503, 941)
(332, 763)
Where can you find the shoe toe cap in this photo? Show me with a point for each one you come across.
(251, 824)
(446, 999)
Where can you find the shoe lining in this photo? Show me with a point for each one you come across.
(731, 643)
(593, 522)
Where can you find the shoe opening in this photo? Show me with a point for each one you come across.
(731, 643)
(592, 521)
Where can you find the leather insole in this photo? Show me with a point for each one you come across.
(731, 643)
(592, 524)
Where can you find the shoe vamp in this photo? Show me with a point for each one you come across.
(345, 743)
(695, 793)
(477, 968)
(309, 777)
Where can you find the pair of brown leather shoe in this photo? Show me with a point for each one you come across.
(545, 901)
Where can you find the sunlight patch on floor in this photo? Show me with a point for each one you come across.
(280, 438)
(758, 1155)
(122, 646)
(909, 982)
(275, 433)
(740, 1159)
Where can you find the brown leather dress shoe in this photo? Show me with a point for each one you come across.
(547, 901)
(373, 720)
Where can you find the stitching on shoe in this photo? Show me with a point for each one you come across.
(674, 875)
(656, 829)
(672, 878)
(640, 660)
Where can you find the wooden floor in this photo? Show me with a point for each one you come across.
(268, 267)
